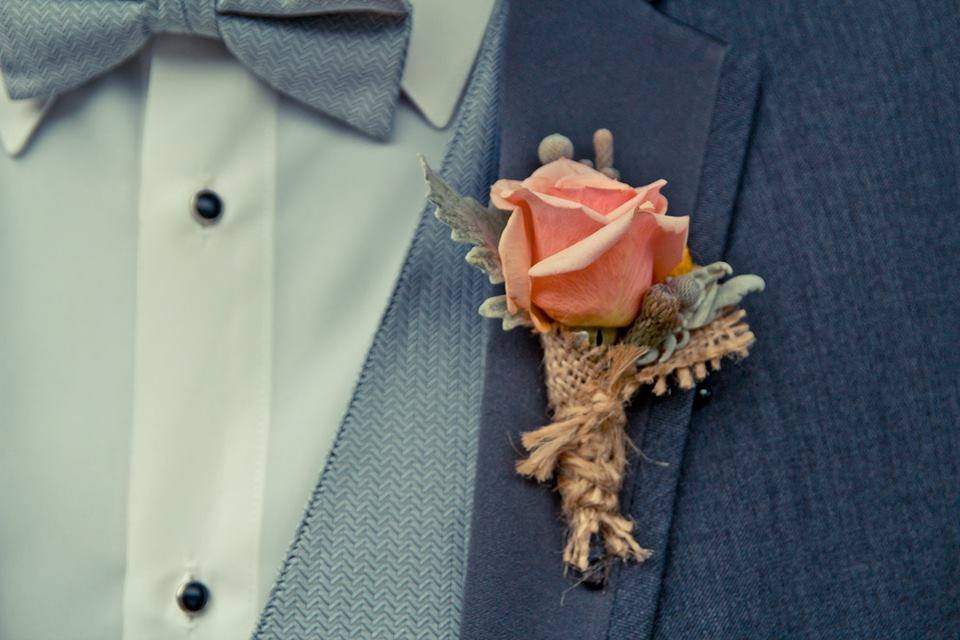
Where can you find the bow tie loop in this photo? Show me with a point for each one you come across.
(197, 17)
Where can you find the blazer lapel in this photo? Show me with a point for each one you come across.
(650, 493)
(380, 552)
(680, 104)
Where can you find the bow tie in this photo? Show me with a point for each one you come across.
(342, 57)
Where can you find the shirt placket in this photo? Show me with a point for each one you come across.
(203, 346)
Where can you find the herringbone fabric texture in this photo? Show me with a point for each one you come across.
(381, 552)
(345, 60)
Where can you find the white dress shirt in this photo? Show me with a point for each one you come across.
(170, 388)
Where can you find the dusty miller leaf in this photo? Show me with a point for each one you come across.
(717, 295)
(469, 222)
(496, 307)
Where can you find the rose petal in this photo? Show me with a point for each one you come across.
(523, 195)
(601, 283)
(581, 248)
(607, 293)
(554, 223)
(565, 173)
(634, 204)
(515, 255)
(599, 199)
(562, 168)
(591, 178)
(651, 193)
(585, 252)
(668, 243)
(501, 191)
(541, 321)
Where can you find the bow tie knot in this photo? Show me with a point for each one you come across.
(197, 17)
(342, 57)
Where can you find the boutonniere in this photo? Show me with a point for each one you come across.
(601, 272)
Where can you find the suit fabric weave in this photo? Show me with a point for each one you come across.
(815, 495)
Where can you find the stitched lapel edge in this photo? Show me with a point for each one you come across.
(653, 490)
(730, 133)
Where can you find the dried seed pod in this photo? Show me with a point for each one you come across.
(687, 289)
(659, 316)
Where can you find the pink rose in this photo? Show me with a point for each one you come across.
(582, 249)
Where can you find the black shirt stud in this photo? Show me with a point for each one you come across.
(192, 597)
(207, 206)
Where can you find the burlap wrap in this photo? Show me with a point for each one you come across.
(584, 447)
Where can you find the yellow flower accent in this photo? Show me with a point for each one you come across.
(685, 266)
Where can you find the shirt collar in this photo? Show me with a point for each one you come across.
(18, 119)
(444, 41)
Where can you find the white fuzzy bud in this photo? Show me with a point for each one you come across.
(554, 147)
(603, 148)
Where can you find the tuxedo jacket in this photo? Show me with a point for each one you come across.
(811, 492)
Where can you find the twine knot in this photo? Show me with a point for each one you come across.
(605, 406)
(584, 447)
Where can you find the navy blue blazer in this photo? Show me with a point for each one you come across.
(814, 490)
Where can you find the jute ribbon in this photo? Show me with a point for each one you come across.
(584, 447)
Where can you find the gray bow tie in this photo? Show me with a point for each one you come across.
(342, 57)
